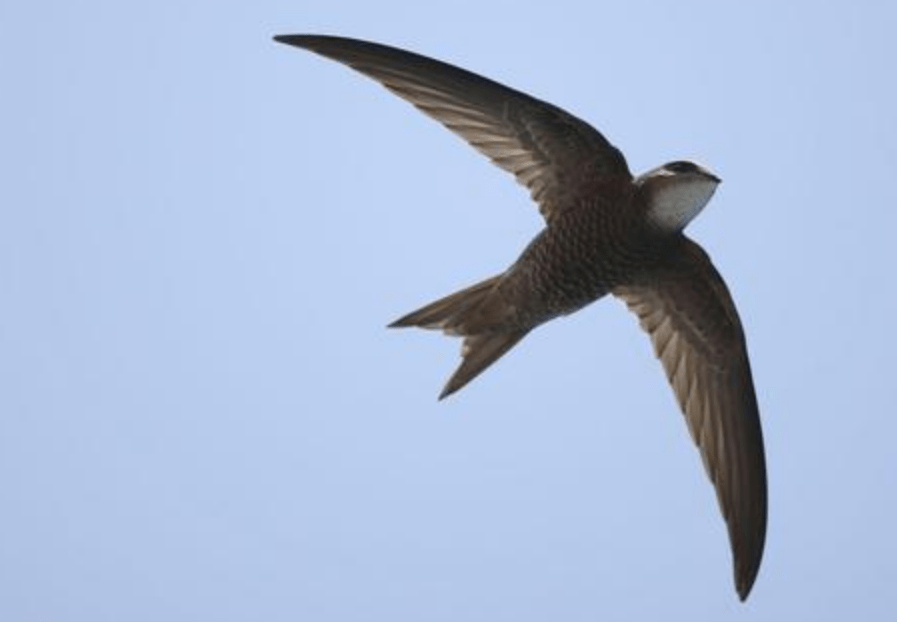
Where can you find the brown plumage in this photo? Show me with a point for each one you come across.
(606, 232)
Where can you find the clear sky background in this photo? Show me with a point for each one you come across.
(203, 235)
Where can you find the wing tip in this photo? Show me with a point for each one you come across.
(747, 569)
(299, 41)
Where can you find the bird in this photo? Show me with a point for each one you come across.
(606, 232)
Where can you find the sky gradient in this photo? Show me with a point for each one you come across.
(203, 235)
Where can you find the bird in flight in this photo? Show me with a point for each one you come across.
(607, 232)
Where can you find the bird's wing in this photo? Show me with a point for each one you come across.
(562, 160)
(686, 308)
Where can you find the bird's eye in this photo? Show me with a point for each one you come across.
(682, 167)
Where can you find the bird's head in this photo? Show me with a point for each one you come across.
(675, 192)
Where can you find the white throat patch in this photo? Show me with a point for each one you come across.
(674, 204)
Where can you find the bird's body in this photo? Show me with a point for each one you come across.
(607, 232)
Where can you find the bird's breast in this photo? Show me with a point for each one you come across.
(574, 261)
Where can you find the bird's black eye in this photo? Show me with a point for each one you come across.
(681, 167)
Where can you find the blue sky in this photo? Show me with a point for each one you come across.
(203, 235)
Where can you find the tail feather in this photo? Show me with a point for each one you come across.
(465, 314)
(448, 313)
(479, 352)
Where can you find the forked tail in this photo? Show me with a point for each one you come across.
(465, 314)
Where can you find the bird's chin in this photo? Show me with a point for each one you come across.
(674, 205)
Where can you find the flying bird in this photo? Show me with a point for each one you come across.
(607, 232)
